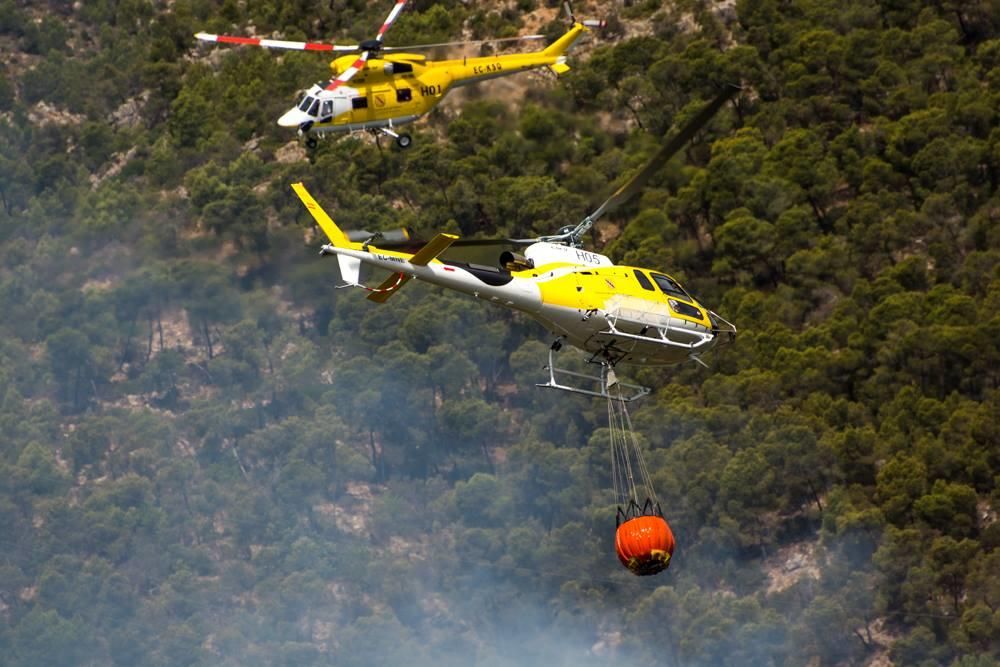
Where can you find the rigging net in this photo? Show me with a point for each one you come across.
(644, 542)
(629, 473)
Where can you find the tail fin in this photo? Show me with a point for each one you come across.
(561, 45)
(326, 223)
(350, 267)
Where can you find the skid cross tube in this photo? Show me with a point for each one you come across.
(606, 380)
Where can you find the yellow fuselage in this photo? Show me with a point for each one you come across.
(399, 88)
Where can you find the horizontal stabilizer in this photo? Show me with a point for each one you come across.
(388, 287)
(391, 285)
(435, 247)
(559, 68)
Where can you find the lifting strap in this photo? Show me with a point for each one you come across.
(629, 473)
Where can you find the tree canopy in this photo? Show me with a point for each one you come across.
(209, 455)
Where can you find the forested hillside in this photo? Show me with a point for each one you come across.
(210, 456)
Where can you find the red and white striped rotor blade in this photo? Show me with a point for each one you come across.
(274, 43)
(348, 73)
(393, 15)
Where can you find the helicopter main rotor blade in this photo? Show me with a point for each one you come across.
(473, 243)
(667, 151)
(274, 43)
(348, 73)
(673, 144)
(416, 47)
(393, 15)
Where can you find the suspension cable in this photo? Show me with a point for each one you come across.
(629, 472)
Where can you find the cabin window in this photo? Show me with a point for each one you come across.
(401, 68)
(327, 108)
(304, 105)
(404, 95)
(669, 285)
(359, 103)
(643, 280)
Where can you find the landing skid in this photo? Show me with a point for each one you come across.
(606, 381)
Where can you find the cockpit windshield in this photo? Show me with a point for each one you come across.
(669, 286)
(306, 101)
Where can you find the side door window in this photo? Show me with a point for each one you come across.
(359, 103)
(327, 109)
(404, 95)
(644, 281)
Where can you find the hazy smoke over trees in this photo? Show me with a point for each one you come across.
(211, 456)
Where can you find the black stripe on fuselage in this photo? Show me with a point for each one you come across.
(489, 275)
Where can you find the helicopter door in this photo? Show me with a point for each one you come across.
(383, 103)
(588, 293)
(361, 108)
(404, 101)
(342, 109)
(597, 287)
(326, 111)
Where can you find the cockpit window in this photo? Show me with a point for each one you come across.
(643, 280)
(669, 286)
(314, 109)
(327, 108)
(305, 103)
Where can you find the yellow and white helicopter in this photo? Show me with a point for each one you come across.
(390, 87)
(618, 314)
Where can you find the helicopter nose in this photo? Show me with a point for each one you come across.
(294, 117)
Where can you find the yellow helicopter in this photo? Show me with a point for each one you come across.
(618, 314)
(390, 87)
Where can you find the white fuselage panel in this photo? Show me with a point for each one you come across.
(543, 254)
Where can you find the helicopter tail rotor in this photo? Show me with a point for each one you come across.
(590, 23)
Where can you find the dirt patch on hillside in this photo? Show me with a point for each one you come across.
(351, 512)
(791, 564)
(43, 114)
